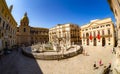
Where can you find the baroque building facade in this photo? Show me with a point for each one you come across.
(27, 35)
(8, 26)
(98, 33)
(66, 34)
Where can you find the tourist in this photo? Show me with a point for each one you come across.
(107, 70)
(109, 65)
(94, 65)
(113, 51)
(100, 62)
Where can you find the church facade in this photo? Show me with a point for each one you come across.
(27, 35)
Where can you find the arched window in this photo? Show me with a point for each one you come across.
(83, 35)
(24, 30)
(98, 32)
(102, 32)
(0, 20)
(87, 35)
(108, 31)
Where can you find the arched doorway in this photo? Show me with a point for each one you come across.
(94, 42)
(87, 36)
(103, 41)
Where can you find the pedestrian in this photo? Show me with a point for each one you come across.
(94, 65)
(114, 50)
(109, 65)
(100, 62)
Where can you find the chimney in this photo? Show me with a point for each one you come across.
(11, 7)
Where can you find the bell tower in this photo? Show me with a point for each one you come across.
(24, 30)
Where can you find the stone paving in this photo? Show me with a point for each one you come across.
(17, 63)
(79, 64)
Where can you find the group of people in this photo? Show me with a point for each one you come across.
(106, 70)
(100, 64)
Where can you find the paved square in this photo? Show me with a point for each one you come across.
(79, 64)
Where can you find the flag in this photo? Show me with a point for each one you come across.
(90, 37)
(98, 36)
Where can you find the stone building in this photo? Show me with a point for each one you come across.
(29, 35)
(67, 34)
(98, 33)
(8, 26)
(115, 7)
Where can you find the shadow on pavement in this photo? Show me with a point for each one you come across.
(17, 63)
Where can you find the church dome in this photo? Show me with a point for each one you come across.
(25, 19)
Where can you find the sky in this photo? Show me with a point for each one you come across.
(49, 13)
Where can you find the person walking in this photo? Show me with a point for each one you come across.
(109, 65)
(94, 65)
(100, 62)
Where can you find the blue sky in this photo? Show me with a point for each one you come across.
(48, 13)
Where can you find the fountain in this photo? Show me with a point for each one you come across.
(58, 49)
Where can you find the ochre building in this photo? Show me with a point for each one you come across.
(27, 35)
(67, 34)
(8, 26)
(98, 33)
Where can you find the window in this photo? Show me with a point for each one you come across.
(108, 39)
(0, 20)
(17, 30)
(2, 34)
(7, 27)
(102, 32)
(83, 35)
(94, 34)
(86, 29)
(98, 32)
(24, 30)
(97, 27)
(3, 24)
(2, 10)
(108, 31)
(107, 25)
(90, 33)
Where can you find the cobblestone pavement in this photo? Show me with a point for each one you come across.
(79, 64)
(16, 63)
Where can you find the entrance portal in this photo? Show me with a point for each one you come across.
(94, 42)
(87, 41)
(87, 36)
(103, 41)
